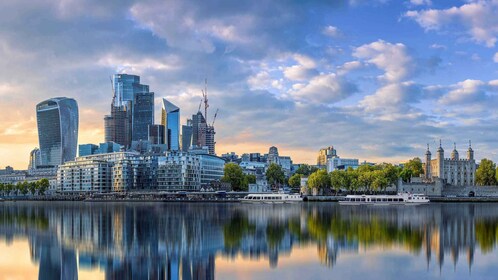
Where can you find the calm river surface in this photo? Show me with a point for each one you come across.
(100, 240)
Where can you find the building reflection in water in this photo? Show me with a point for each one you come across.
(182, 241)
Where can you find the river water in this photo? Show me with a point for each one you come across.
(101, 240)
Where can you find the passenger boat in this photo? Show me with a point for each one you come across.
(399, 199)
(272, 198)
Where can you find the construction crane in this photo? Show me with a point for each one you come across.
(205, 96)
(200, 104)
(113, 92)
(214, 118)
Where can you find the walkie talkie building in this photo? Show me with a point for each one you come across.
(57, 120)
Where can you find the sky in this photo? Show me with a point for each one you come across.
(376, 79)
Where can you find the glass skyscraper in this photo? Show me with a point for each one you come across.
(132, 111)
(142, 115)
(57, 120)
(170, 118)
(187, 135)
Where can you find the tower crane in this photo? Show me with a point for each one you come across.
(214, 118)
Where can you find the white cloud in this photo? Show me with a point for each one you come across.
(438, 46)
(331, 31)
(495, 57)
(121, 63)
(392, 101)
(348, 67)
(421, 2)
(392, 58)
(324, 88)
(298, 73)
(477, 18)
(471, 92)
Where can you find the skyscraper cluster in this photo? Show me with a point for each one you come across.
(132, 111)
(132, 120)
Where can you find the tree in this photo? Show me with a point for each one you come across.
(23, 187)
(353, 179)
(340, 180)
(233, 174)
(275, 175)
(43, 186)
(32, 187)
(366, 179)
(379, 180)
(295, 180)
(415, 165)
(319, 180)
(486, 173)
(306, 169)
(391, 173)
(251, 178)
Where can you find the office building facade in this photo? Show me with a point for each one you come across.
(57, 120)
(34, 159)
(179, 171)
(156, 134)
(170, 119)
(132, 110)
(187, 136)
(142, 115)
(202, 133)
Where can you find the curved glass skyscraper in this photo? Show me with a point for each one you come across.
(57, 120)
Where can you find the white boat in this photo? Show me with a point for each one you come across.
(272, 198)
(399, 199)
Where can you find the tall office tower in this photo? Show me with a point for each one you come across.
(202, 133)
(34, 159)
(142, 115)
(156, 134)
(187, 135)
(210, 139)
(126, 86)
(132, 110)
(118, 126)
(198, 126)
(170, 118)
(57, 120)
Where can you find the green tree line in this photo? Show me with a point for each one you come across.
(23, 188)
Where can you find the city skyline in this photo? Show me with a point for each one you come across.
(376, 79)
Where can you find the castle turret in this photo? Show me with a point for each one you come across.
(454, 153)
(470, 152)
(440, 160)
(428, 164)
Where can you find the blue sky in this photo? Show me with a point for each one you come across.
(376, 79)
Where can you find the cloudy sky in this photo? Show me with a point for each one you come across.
(378, 80)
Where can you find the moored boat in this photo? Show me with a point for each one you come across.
(399, 199)
(272, 198)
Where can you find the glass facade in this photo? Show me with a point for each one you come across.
(187, 135)
(142, 115)
(87, 149)
(133, 110)
(170, 118)
(57, 120)
(156, 134)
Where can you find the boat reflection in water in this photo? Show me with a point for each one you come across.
(183, 241)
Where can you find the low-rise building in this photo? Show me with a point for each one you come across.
(179, 171)
(86, 175)
(335, 163)
(211, 168)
